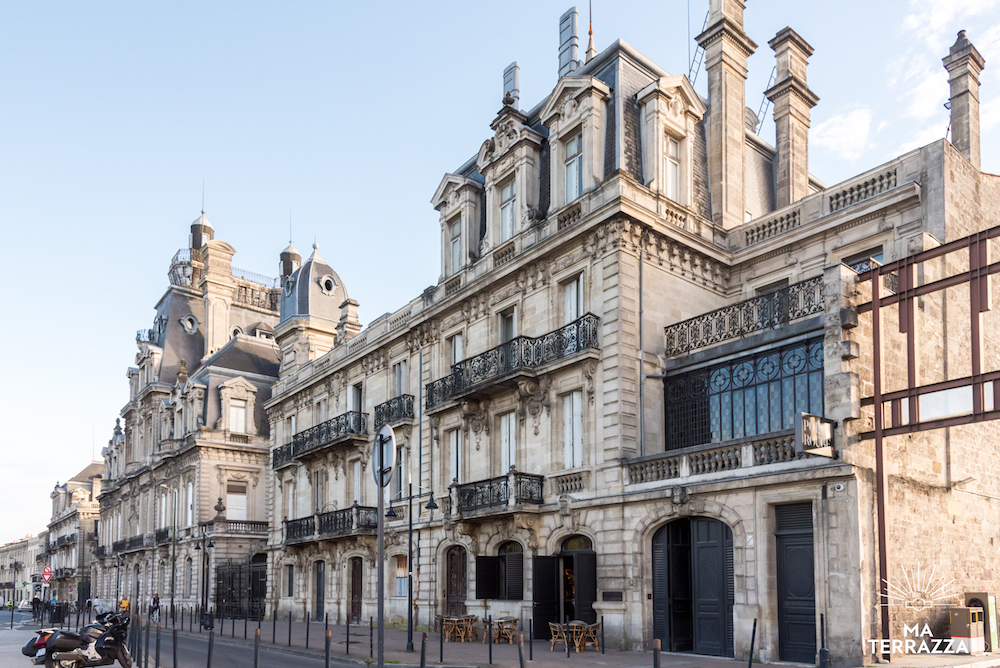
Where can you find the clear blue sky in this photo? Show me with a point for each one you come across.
(346, 115)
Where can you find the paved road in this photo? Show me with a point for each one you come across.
(191, 651)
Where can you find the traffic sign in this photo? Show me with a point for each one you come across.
(47, 574)
(383, 456)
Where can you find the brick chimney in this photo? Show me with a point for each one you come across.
(792, 101)
(727, 48)
(964, 63)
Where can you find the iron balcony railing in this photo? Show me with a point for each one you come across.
(162, 536)
(344, 522)
(499, 492)
(351, 423)
(119, 546)
(101, 551)
(747, 317)
(393, 411)
(889, 281)
(523, 353)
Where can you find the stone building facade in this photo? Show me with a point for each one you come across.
(639, 299)
(72, 534)
(20, 570)
(183, 488)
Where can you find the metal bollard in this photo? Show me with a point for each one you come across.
(656, 653)
(441, 641)
(347, 645)
(157, 645)
(566, 642)
(328, 635)
(246, 620)
(520, 649)
(531, 640)
(211, 646)
(489, 632)
(307, 629)
(274, 625)
(423, 650)
(197, 613)
(145, 656)
(371, 637)
(326, 622)
(289, 628)
(256, 649)
(602, 634)
(753, 637)
(175, 647)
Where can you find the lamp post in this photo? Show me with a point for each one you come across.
(173, 552)
(409, 559)
(203, 546)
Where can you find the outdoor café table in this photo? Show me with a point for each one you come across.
(454, 629)
(574, 632)
(506, 629)
(591, 636)
(471, 626)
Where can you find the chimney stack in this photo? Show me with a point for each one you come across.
(792, 101)
(727, 48)
(512, 83)
(964, 63)
(569, 42)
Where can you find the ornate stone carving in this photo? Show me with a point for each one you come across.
(237, 389)
(532, 397)
(475, 417)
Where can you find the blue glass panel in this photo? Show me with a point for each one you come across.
(727, 416)
(762, 411)
(801, 394)
(788, 402)
(738, 414)
(775, 388)
(715, 417)
(750, 410)
(816, 393)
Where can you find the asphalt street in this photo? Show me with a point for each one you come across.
(192, 652)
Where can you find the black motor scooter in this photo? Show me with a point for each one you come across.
(99, 644)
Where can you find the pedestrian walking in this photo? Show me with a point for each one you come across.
(154, 608)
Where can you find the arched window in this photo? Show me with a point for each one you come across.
(574, 543)
(501, 577)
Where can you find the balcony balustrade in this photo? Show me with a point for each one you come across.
(497, 495)
(162, 536)
(119, 546)
(521, 355)
(351, 426)
(101, 551)
(394, 411)
(747, 317)
(347, 522)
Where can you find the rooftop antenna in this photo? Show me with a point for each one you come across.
(289, 227)
(689, 31)
(203, 196)
(591, 51)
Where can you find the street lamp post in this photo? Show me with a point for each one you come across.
(409, 559)
(173, 553)
(203, 546)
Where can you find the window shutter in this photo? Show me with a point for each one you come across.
(487, 577)
(515, 576)
(577, 428)
(456, 458)
(568, 431)
(504, 444)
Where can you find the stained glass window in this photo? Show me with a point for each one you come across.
(748, 396)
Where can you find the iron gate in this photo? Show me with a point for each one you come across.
(240, 589)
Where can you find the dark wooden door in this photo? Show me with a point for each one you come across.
(711, 607)
(796, 585)
(320, 608)
(544, 594)
(356, 589)
(672, 604)
(585, 584)
(456, 581)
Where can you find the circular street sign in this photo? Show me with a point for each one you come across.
(383, 456)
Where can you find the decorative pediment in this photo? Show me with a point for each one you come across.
(568, 95)
(509, 130)
(239, 388)
(679, 95)
(448, 190)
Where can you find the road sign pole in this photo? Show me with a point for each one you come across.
(383, 461)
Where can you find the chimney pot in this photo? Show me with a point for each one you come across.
(569, 42)
(964, 63)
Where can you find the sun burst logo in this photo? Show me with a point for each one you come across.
(918, 590)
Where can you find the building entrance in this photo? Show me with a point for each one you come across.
(693, 586)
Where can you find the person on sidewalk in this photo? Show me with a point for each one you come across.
(154, 608)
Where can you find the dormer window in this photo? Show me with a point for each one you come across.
(508, 201)
(456, 246)
(573, 167)
(672, 168)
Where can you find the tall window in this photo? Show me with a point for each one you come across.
(508, 200)
(357, 482)
(455, 351)
(572, 416)
(507, 324)
(455, 452)
(456, 246)
(290, 580)
(672, 168)
(354, 398)
(573, 299)
(573, 167)
(289, 428)
(508, 442)
(238, 416)
(399, 378)
(236, 501)
(398, 483)
(190, 578)
(190, 503)
(401, 573)
(747, 396)
(319, 490)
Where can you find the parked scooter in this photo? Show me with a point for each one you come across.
(99, 644)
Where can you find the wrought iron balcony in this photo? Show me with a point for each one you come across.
(119, 546)
(497, 495)
(101, 551)
(350, 426)
(347, 522)
(519, 355)
(162, 536)
(889, 281)
(393, 411)
(747, 317)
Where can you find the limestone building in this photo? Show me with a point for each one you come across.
(20, 568)
(184, 468)
(72, 534)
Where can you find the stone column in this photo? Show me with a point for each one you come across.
(792, 101)
(964, 63)
(727, 48)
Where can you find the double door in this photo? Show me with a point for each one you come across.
(564, 588)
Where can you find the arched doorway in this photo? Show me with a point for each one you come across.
(456, 581)
(319, 609)
(693, 586)
(564, 587)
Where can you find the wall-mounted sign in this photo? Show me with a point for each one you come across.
(814, 435)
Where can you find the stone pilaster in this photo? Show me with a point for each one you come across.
(964, 63)
(727, 48)
(792, 101)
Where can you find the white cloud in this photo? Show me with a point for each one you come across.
(844, 135)
(921, 138)
(928, 20)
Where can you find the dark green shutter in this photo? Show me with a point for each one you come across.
(487, 577)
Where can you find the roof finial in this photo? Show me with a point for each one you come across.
(591, 51)
(316, 242)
